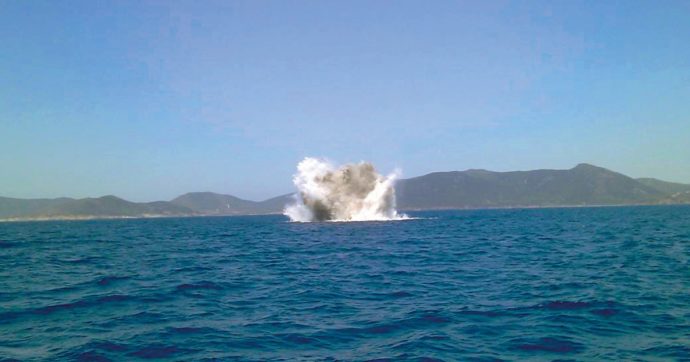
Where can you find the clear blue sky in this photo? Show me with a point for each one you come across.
(148, 100)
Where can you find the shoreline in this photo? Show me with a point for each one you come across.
(155, 216)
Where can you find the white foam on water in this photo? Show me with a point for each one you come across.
(351, 192)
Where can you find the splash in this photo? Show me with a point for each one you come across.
(352, 192)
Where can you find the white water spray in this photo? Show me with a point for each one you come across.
(352, 192)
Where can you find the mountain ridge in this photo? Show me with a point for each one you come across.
(582, 185)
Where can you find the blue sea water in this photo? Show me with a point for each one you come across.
(483, 285)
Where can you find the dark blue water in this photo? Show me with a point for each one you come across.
(549, 284)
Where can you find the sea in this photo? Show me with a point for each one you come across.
(558, 284)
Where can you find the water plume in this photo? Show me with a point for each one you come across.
(352, 192)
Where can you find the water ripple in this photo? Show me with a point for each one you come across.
(486, 285)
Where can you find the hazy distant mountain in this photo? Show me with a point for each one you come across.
(10, 207)
(114, 206)
(209, 203)
(582, 185)
(276, 204)
(677, 193)
(191, 204)
(106, 206)
(665, 187)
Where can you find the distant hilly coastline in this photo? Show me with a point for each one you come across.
(583, 185)
(112, 207)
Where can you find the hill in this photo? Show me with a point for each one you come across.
(664, 186)
(582, 185)
(101, 207)
(209, 203)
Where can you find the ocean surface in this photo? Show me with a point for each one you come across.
(575, 284)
